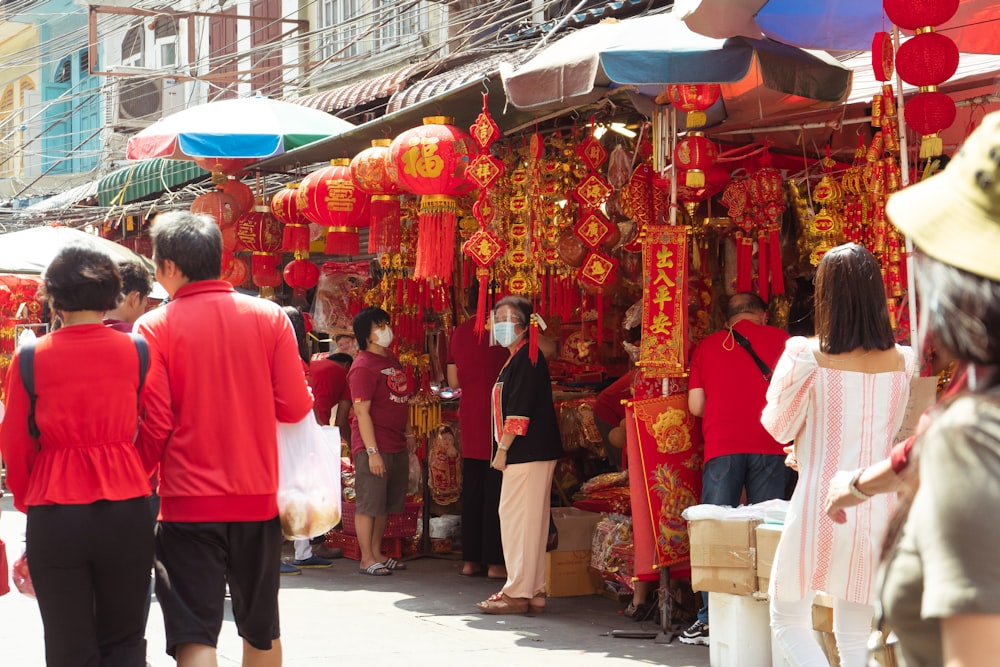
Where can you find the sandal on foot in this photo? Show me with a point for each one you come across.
(537, 604)
(393, 564)
(500, 603)
(375, 570)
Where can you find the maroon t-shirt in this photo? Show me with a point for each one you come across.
(382, 381)
(328, 380)
(478, 364)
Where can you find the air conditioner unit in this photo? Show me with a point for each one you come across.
(136, 102)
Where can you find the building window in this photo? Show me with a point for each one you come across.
(64, 71)
(395, 24)
(132, 46)
(168, 54)
(340, 28)
(8, 132)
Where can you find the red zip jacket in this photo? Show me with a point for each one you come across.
(226, 369)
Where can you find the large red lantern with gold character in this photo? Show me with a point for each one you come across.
(260, 232)
(430, 161)
(285, 207)
(694, 154)
(370, 169)
(694, 99)
(329, 198)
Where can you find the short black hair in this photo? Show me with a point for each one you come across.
(521, 305)
(851, 309)
(341, 358)
(364, 321)
(135, 277)
(82, 278)
(192, 241)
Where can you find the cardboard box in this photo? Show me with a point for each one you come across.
(822, 613)
(575, 527)
(568, 573)
(768, 536)
(723, 556)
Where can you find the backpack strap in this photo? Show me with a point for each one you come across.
(26, 364)
(142, 348)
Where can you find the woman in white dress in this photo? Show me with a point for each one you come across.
(840, 397)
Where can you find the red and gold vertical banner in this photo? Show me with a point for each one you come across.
(663, 349)
(665, 461)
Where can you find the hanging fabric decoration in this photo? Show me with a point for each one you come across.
(370, 171)
(598, 276)
(431, 161)
(663, 348)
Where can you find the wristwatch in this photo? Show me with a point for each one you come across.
(371, 450)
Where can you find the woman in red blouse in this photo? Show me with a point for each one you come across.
(81, 481)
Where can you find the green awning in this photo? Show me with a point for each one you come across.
(143, 179)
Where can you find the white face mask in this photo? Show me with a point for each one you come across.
(383, 336)
(504, 333)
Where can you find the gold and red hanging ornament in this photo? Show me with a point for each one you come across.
(694, 155)
(285, 207)
(926, 60)
(328, 197)
(694, 99)
(370, 170)
(261, 233)
(431, 161)
(484, 248)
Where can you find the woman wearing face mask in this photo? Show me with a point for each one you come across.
(527, 446)
(380, 434)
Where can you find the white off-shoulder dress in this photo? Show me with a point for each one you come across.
(839, 420)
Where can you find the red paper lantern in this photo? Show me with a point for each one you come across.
(285, 207)
(329, 197)
(230, 238)
(217, 204)
(264, 271)
(241, 193)
(234, 269)
(694, 99)
(694, 154)
(370, 170)
(930, 112)
(221, 167)
(883, 56)
(430, 161)
(259, 231)
(929, 59)
(914, 14)
(301, 274)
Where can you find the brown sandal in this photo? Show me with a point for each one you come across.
(500, 603)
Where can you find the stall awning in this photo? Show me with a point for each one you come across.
(145, 178)
(362, 92)
(65, 199)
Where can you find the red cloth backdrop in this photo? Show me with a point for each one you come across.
(665, 462)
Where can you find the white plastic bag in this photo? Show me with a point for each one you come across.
(308, 478)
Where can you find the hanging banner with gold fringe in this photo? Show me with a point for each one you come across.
(663, 349)
(665, 462)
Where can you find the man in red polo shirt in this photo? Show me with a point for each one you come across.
(730, 372)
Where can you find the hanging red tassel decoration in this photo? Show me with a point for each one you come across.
(744, 264)
(774, 252)
(484, 287)
(533, 340)
(762, 266)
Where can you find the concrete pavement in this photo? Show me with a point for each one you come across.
(423, 617)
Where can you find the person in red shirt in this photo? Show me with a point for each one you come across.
(80, 479)
(137, 285)
(727, 389)
(473, 366)
(225, 369)
(328, 380)
(380, 437)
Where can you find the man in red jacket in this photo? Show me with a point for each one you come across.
(226, 370)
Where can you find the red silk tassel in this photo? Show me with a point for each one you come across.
(295, 238)
(342, 241)
(600, 319)
(533, 341)
(385, 232)
(744, 265)
(484, 287)
(436, 237)
(762, 266)
(777, 274)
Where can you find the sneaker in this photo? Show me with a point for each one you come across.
(313, 562)
(329, 553)
(289, 569)
(696, 634)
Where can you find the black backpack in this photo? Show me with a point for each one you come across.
(26, 364)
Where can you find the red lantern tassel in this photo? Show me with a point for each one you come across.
(295, 238)
(777, 274)
(533, 341)
(762, 265)
(744, 265)
(386, 232)
(342, 241)
(436, 238)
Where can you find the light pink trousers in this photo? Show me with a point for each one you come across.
(524, 525)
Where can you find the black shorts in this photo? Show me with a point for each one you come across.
(378, 496)
(195, 561)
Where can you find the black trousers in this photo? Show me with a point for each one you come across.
(480, 516)
(90, 565)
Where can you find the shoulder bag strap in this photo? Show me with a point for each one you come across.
(26, 364)
(745, 344)
(142, 348)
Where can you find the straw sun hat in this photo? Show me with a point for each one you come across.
(954, 216)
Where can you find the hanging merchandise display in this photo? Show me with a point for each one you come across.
(370, 170)
(663, 349)
(328, 197)
(431, 161)
(694, 99)
(261, 233)
(285, 207)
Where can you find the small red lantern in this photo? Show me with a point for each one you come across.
(285, 207)
(221, 167)
(929, 112)
(694, 99)
(241, 193)
(370, 170)
(301, 275)
(914, 14)
(260, 232)
(329, 197)
(694, 155)
(430, 161)
(265, 273)
(234, 269)
(217, 204)
(929, 59)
